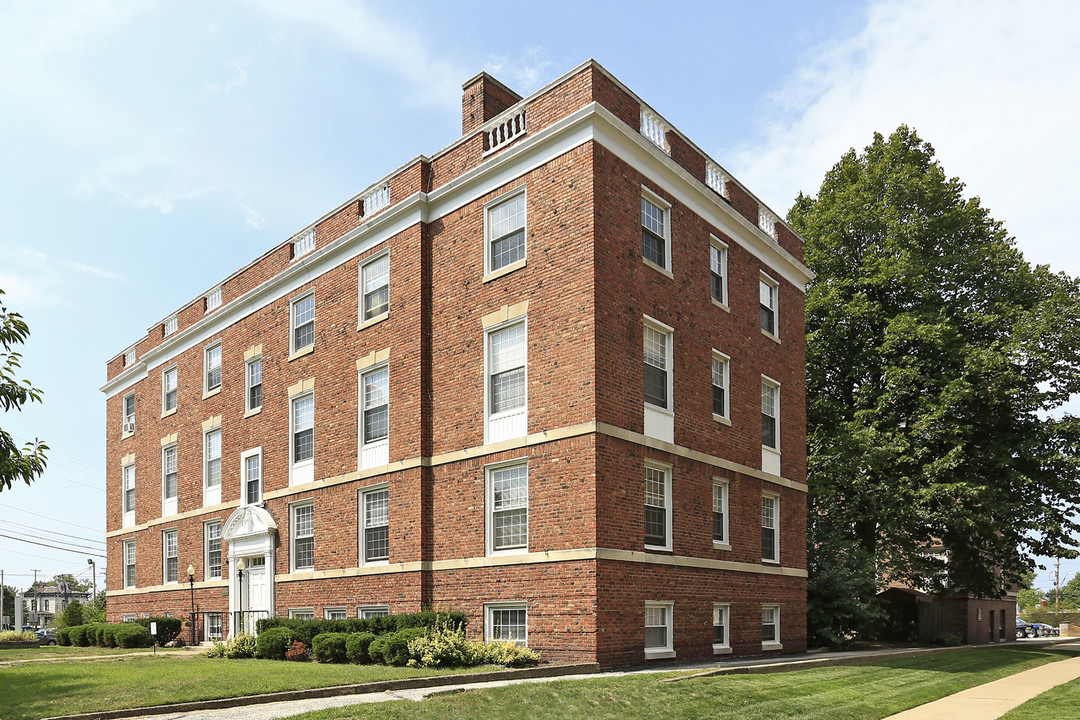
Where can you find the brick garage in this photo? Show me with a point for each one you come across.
(488, 442)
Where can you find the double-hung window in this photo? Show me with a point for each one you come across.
(655, 231)
(506, 388)
(302, 312)
(721, 625)
(720, 512)
(213, 626)
(770, 626)
(366, 612)
(128, 426)
(302, 535)
(505, 228)
(302, 447)
(212, 535)
(212, 467)
(718, 271)
(659, 421)
(508, 507)
(129, 495)
(251, 467)
(375, 417)
(170, 547)
(334, 613)
(506, 622)
(770, 527)
(212, 368)
(168, 391)
(169, 480)
(129, 563)
(770, 426)
(769, 291)
(721, 367)
(657, 507)
(658, 630)
(375, 288)
(253, 392)
(375, 525)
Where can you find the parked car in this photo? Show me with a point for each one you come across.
(47, 636)
(1045, 630)
(1025, 629)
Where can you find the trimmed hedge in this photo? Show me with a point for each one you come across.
(131, 635)
(63, 636)
(78, 636)
(329, 647)
(356, 647)
(272, 644)
(167, 627)
(306, 630)
(393, 648)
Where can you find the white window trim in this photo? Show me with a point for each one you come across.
(253, 452)
(669, 333)
(724, 544)
(127, 617)
(164, 392)
(489, 507)
(206, 550)
(775, 284)
(208, 490)
(128, 515)
(489, 623)
(362, 524)
(207, 390)
(341, 609)
(360, 287)
(669, 650)
(293, 463)
(127, 429)
(361, 609)
(165, 557)
(207, 635)
(175, 502)
(766, 380)
(777, 644)
(715, 242)
(723, 648)
(725, 418)
(776, 535)
(133, 564)
(248, 408)
(295, 612)
(489, 273)
(665, 206)
(668, 531)
(489, 417)
(293, 507)
(293, 350)
(361, 428)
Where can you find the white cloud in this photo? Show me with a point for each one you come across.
(143, 181)
(239, 77)
(31, 278)
(994, 89)
(96, 271)
(527, 73)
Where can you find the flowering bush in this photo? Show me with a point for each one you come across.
(239, 648)
(445, 646)
(18, 636)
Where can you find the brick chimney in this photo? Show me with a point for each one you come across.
(483, 98)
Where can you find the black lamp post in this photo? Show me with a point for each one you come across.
(240, 573)
(191, 584)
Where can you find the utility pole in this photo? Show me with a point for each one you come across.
(93, 570)
(1, 599)
(1057, 585)
(34, 614)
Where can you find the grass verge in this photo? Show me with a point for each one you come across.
(1060, 702)
(61, 652)
(859, 692)
(36, 690)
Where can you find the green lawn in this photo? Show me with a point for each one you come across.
(66, 651)
(860, 692)
(1060, 702)
(37, 690)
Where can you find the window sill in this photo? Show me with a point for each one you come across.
(766, 561)
(510, 551)
(769, 335)
(252, 413)
(211, 393)
(657, 268)
(718, 545)
(722, 306)
(373, 321)
(721, 649)
(659, 654)
(125, 436)
(167, 413)
(721, 419)
(658, 548)
(504, 270)
(376, 563)
(772, 646)
(301, 353)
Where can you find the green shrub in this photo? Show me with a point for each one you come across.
(946, 640)
(108, 636)
(356, 647)
(442, 647)
(241, 647)
(72, 615)
(18, 636)
(167, 627)
(306, 630)
(63, 636)
(272, 644)
(394, 647)
(217, 651)
(131, 635)
(93, 634)
(329, 647)
(503, 652)
(78, 636)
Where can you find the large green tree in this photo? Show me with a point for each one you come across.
(938, 361)
(16, 463)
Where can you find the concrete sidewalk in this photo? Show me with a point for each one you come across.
(994, 699)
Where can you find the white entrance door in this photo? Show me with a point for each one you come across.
(256, 596)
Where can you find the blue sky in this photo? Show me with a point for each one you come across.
(151, 148)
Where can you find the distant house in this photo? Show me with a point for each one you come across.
(45, 602)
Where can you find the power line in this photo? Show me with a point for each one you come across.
(61, 544)
(54, 450)
(76, 482)
(51, 547)
(69, 467)
(52, 532)
(62, 522)
(39, 557)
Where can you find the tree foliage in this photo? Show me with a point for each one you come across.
(72, 615)
(94, 611)
(72, 582)
(27, 462)
(937, 363)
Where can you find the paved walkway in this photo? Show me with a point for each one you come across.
(994, 699)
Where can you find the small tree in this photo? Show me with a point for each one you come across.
(94, 611)
(16, 463)
(72, 615)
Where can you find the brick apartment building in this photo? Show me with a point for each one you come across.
(552, 376)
